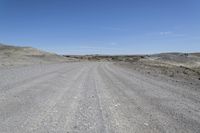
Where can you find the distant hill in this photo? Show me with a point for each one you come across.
(188, 59)
(14, 55)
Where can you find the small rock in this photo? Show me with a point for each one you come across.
(75, 127)
(117, 105)
(146, 124)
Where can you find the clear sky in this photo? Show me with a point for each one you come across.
(102, 26)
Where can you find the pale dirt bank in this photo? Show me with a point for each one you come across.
(20, 56)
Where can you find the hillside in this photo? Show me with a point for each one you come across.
(14, 55)
(184, 59)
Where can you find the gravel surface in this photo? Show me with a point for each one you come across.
(94, 97)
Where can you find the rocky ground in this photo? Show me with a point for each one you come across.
(178, 67)
(95, 97)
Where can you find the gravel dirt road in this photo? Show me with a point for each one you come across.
(94, 97)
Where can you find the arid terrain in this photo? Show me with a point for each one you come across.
(41, 92)
(19, 56)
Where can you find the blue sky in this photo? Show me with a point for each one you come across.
(102, 26)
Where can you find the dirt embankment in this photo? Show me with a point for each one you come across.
(179, 67)
(16, 56)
